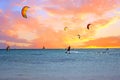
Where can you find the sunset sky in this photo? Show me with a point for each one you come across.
(46, 19)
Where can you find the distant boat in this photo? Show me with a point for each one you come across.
(8, 48)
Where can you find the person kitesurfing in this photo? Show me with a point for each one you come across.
(68, 50)
(8, 48)
(43, 47)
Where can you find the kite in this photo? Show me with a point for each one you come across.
(78, 36)
(65, 28)
(88, 26)
(24, 10)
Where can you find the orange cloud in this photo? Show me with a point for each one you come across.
(112, 42)
(49, 39)
(64, 7)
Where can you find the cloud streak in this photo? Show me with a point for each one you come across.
(110, 42)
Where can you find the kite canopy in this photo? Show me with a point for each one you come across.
(88, 26)
(24, 10)
(65, 28)
(78, 36)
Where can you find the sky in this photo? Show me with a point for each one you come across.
(46, 20)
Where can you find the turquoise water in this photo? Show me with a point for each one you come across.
(81, 64)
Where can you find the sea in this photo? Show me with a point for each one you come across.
(55, 64)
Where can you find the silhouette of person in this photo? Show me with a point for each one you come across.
(68, 50)
(8, 47)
